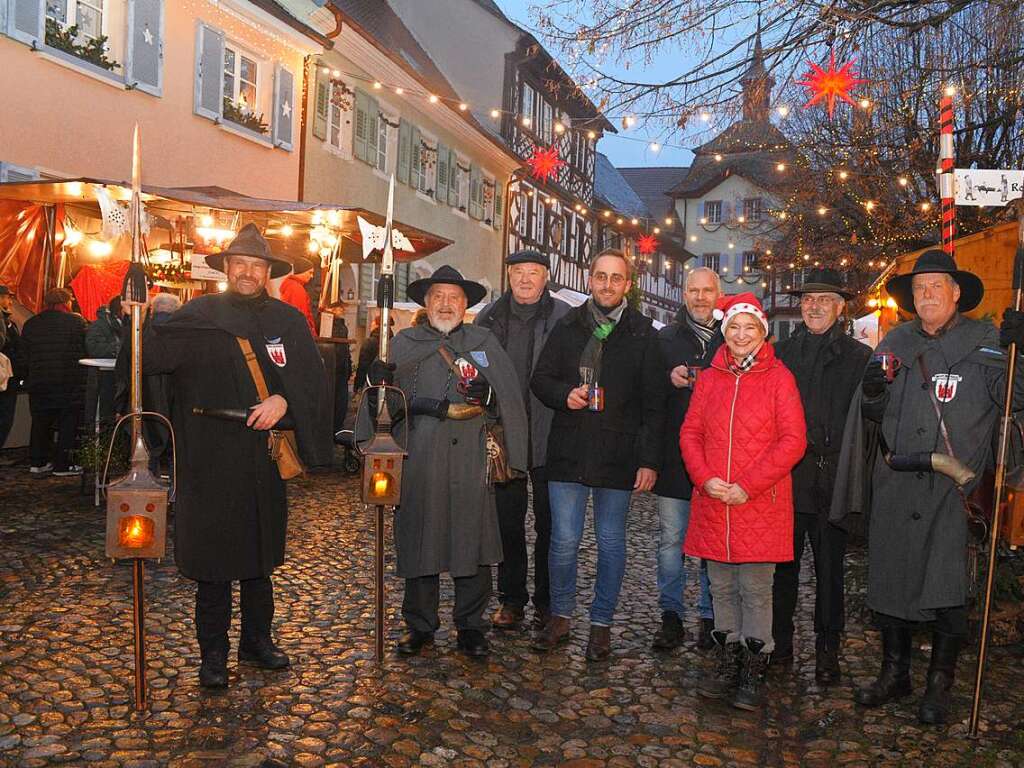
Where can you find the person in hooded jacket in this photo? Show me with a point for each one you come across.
(743, 434)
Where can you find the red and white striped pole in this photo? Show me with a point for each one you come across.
(946, 194)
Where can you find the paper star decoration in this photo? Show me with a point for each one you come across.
(544, 163)
(647, 245)
(286, 110)
(147, 36)
(830, 84)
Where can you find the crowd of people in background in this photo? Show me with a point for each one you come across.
(752, 449)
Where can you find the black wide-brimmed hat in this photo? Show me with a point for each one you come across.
(822, 281)
(249, 242)
(445, 275)
(933, 262)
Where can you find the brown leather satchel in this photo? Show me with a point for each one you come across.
(281, 443)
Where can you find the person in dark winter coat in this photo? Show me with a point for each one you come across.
(368, 353)
(231, 510)
(743, 434)
(103, 340)
(600, 372)
(52, 344)
(522, 319)
(828, 365)
(940, 390)
(686, 346)
(447, 521)
(10, 341)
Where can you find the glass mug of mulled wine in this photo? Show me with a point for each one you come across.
(691, 375)
(595, 392)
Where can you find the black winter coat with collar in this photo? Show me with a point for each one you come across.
(603, 449)
(827, 382)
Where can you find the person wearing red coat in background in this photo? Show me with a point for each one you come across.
(744, 432)
(293, 291)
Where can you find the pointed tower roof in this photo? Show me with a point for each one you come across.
(757, 84)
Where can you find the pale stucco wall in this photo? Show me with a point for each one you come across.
(62, 122)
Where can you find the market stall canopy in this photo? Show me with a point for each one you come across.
(172, 201)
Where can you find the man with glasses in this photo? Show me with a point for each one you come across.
(600, 372)
(828, 365)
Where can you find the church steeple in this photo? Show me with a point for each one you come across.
(757, 85)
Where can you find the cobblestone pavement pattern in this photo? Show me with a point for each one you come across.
(66, 669)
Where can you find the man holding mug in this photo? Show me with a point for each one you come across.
(600, 372)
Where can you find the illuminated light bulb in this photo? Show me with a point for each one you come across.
(926, 206)
(313, 246)
(718, 158)
(377, 85)
(902, 180)
(399, 91)
(843, 175)
(783, 215)
(559, 128)
(791, 265)
(890, 303)
(530, 193)
(634, 222)
(764, 285)
(583, 211)
(287, 230)
(432, 99)
(495, 114)
(336, 73)
(950, 90)
(75, 188)
(628, 121)
(655, 146)
(668, 221)
(822, 211)
(732, 245)
(871, 263)
(784, 110)
(577, 207)
(607, 214)
(72, 236)
(703, 220)
(325, 70)
(869, 205)
(842, 263)
(693, 238)
(741, 219)
(333, 218)
(780, 167)
(807, 257)
(222, 286)
(100, 249)
(872, 302)
(591, 135)
(724, 270)
(526, 122)
(657, 230)
(705, 116)
(463, 107)
(768, 252)
(618, 221)
(318, 218)
(865, 103)
(817, 263)
(207, 220)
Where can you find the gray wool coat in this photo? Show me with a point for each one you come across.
(447, 519)
(917, 532)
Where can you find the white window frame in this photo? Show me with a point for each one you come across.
(748, 259)
(383, 139)
(239, 51)
(753, 208)
(709, 259)
(713, 206)
(71, 13)
(487, 178)
(463, 182)
(336, 123)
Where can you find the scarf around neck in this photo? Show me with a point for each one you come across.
(601, 326)
(704, 333)
(744, 365)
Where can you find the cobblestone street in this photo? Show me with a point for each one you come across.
(66, 669)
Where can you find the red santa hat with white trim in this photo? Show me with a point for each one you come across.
(728, 307)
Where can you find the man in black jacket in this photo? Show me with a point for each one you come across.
(686, 345)
(522, 319)
(828, 365)
(52, 344)
(600, 372)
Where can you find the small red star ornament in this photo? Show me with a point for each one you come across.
(544, 163)
(830, 84)
(647, 245)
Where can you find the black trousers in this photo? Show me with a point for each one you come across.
(828, 544)
(949, 621)
(213, 611)
(341, 398)
(423, 594)
(511, 502)
(8, 402)
(63, 419)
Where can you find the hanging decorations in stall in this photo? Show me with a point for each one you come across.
(828, 85)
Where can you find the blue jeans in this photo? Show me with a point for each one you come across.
(568, 512)
(675, 517)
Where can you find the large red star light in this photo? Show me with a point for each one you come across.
(647, 245)
(830, 84)
(544, 163)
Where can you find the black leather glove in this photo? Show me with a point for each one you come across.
(380, 373)
(428, 406)
(477, 391)
(1012, 329)
(874, 382)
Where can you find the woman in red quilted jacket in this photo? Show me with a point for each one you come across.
(744, 431)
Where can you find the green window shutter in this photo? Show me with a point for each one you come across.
(453, 181)
(372, 130)
(404, 139)
(442, 171)
(359, 135)
(476, 193)
(323, 100)
(415, 159)
(499, 220)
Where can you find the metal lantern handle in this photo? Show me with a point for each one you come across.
(174, 448)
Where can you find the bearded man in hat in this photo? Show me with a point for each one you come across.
(828, 365)
(231, 509)
(522, 319)
(935, 385)
(447, 521)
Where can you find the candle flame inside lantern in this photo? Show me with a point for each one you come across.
(135, 532)
(380, 483)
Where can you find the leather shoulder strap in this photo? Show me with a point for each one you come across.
(254, 368)
(926, 378)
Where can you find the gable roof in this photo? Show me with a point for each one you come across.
(289, 17)
(611, 188)
(653, 184)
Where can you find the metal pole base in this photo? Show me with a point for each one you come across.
(139, 628)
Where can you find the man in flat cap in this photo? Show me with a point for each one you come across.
(447, 521)
(828, 365)
(522, 319)
(936, 385)
(231, 511)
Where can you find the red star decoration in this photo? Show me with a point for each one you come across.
(647, 245)
(830, 84)
(544, 163)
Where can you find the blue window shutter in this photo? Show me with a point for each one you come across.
(442, 171)
(359, 134)
(25, 21)
(453, 180)
(372, 130)
(321, 103)
(499, 221)
(404, 150)
(209, 83)
(284, 107)
(415, 158)
(144, 57)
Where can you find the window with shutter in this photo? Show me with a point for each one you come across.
(25, 21)
(381, 159)
(144, 55)
(402, 271)
(339, 121)
(284, 102)
(209, 79)
(522, 213)
(416, 173)
(15, 173)
(322, 106)
(372, 131)
(361, 132)
(499, 211)
(712, 261)
(442, 172)
(464, 186)
(404, 150)
(489, 188)
(713, 211)
(547, 129)
(476, 193)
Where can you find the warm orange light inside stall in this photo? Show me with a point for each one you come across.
(135, 532)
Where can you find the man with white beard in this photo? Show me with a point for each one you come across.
(447, 521)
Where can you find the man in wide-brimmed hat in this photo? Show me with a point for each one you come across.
(447, 521)
(230, 508)
(828, 365)
(935, 385)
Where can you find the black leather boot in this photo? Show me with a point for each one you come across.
(935, 703)
(719, 681)
(671, 633)
(262, 652)
(749, 693)
(412, 642)
(826, 658)
(704, 640)
(213, 671)
(893, 680)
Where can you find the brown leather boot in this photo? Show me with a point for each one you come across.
(555, 632)
(599, 647)
(507, 617)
